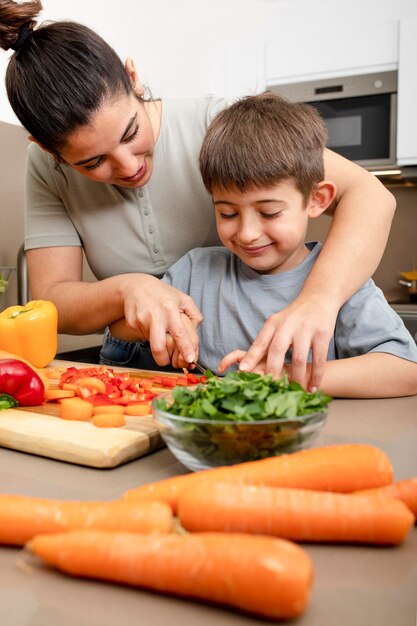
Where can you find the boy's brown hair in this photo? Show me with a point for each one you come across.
(261, 140)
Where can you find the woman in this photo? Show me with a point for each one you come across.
(117, 176)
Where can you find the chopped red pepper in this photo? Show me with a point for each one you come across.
(99, 399)
(120, 387)
(20, 385)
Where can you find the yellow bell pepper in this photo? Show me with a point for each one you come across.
(30, 331)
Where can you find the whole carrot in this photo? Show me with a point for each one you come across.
(21, 517)
(342, 468)
(404, 490)
(262, 575)
(298, 514)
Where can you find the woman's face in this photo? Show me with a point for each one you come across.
(117, 146)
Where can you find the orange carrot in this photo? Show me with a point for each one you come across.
(110, 408)
(21, 517)
(342, 468)
(404, 490)
(57, 394)
(298, 514)
(69, 386)
(108, 420)
(92, 384)
(138, 409)
(262, 575)
(75, 409)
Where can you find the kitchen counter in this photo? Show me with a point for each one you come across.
(354, 586)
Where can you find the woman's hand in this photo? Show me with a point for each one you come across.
(121, 330)
(302, 326)
(177, 360)
(152, 309)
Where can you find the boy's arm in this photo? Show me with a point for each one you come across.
(121, 330)
(351, 253)
(371, 375)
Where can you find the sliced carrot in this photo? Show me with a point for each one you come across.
(70, 386)
(53, 372)
(261, 575)
(343, 468)
(108, 420)
(298, 514)
(404, 490)
(137, 409)
(58, 394)
(110, 408)
(22, 517)
(94, 385)
(75, 409)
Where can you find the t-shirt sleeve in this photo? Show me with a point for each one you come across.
(367, 323)
(179, 274)
(47, 221)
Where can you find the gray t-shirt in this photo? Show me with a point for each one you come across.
(236, 301)
(129, 230)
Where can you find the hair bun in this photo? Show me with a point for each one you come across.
(25, 31)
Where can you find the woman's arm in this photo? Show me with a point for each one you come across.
(149, 305)
(353, 248)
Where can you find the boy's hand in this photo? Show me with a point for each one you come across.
(236, 357)
(302, 326)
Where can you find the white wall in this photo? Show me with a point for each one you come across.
(195, 47)
(180, 47)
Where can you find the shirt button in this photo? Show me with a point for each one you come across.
(146, 212)
(155, 249)
(150, 229)
(141, 193)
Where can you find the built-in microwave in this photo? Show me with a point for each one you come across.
(360, 113)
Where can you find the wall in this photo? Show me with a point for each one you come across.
(180, 47)
(12, 170)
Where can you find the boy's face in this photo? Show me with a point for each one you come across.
(266, 228)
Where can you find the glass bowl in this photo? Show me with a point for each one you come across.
(203, 443)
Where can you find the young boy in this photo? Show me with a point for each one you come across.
(262, 162)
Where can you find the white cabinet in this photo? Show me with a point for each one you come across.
(407, 93)
(297, 55)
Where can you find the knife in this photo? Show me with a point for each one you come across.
(199, 367)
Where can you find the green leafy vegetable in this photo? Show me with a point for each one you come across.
(241, 417)
(244, 397)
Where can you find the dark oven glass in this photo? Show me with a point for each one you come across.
(359, 128)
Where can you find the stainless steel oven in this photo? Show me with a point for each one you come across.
(360, 112)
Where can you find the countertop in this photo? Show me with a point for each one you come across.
(354, 586)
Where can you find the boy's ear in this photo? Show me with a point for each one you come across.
(321, 198)
(134, 78)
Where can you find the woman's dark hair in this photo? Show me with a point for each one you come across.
(59, 75)
(261, 140)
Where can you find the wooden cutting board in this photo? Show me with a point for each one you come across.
(38, 430)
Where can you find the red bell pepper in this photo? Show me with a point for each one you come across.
(20, 385)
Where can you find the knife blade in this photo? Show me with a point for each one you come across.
(199, 367)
